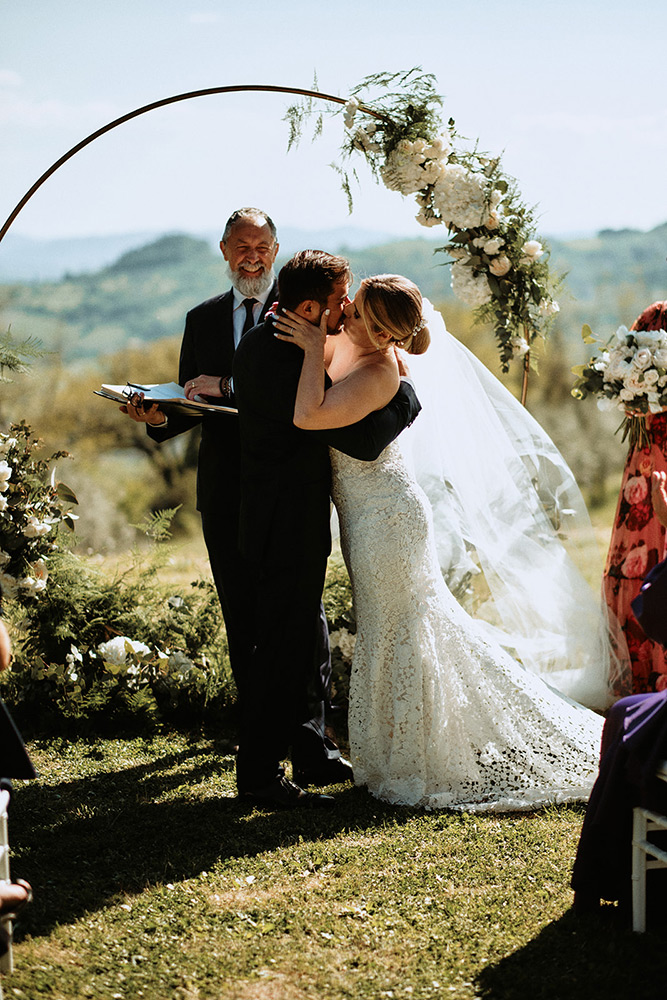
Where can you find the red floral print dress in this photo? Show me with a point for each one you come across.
(637, 544)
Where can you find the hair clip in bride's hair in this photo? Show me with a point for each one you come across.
(420, 326)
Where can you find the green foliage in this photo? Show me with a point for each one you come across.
(13, 355)
(154, 881)
(32, 510)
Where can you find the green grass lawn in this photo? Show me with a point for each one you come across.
(152, 881)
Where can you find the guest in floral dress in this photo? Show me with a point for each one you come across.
(638, 539)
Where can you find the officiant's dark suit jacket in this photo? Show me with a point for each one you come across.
(208, 349)
(285, 535)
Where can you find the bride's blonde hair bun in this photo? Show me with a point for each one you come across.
(393, 304)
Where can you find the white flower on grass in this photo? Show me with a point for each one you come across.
(179, 665)
(345, 641)
(5, 475)
(471, 289)
(500, 266)
(118, 649)
(36, 528)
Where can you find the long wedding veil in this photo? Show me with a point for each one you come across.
(511, 525)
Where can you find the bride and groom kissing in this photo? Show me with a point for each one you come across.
(442, 712)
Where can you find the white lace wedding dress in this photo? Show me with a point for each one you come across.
(441, 716)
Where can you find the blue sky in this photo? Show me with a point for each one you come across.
(572, 92)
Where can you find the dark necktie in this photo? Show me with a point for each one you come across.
(249, 321)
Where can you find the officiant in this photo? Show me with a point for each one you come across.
(213, 331)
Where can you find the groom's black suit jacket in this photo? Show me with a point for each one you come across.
(285, 471)
(285, 535)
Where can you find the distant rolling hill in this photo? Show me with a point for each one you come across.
(145, 291)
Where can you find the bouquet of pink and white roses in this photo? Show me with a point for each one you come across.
(629, 374)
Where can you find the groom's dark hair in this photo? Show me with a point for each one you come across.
(310, 274)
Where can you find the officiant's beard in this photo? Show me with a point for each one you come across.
(251, 287)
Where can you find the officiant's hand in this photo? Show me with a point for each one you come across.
(143, 414)
(299, 331)
(204, 385)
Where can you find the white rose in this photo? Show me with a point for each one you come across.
(643, 358)
(626, 395)
(5, 475)
(651, 376)
(500, 266)
(660, 358)
(532, 249)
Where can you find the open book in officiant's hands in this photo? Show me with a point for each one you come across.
(169, 397)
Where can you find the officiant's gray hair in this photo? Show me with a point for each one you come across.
(254, 215)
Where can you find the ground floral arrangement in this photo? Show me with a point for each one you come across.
(629, 373)
(499, 267)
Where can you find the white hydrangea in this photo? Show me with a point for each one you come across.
(473, 290)
(462, 197)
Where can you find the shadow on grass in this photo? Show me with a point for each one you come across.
(84, 843)
(593, 958)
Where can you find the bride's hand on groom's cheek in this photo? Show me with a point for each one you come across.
(299, 331)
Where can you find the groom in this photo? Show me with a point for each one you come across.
(285, 534)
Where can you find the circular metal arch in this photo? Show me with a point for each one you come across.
(160, 104)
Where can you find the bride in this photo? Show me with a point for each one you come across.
(443, 713)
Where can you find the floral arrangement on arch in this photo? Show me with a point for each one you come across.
(629, 374)
(499, 267)
(32, 508)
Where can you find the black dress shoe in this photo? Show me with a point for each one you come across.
(281, 793)
(331, 772)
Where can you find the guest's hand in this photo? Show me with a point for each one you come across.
(659, 496)
(299, 331)
(203, 385)
(141, 414)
